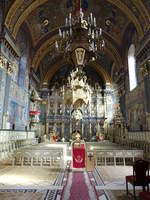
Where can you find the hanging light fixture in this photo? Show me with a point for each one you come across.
(74, 25)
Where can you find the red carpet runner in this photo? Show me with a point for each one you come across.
(78, 187)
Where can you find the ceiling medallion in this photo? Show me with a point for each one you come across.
(73, 30)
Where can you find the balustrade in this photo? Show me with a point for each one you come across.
(13, 140)
(117, 157)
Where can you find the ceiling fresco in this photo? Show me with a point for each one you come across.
(48, 61)
(109, 17)
(44, 17)
(136, 11)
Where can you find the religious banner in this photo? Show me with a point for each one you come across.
(78, 156)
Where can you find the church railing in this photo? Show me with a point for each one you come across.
(10, 140)
(117, 157)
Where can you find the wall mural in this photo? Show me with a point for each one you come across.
(22, 41)
(18, 96)
(136, 108)
(1, 95)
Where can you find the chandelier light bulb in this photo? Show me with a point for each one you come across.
(64, 34)
(71, 31)
(56, 45)
(89, 33)
(70, 16)
(66, 21)
(100, 31)
(60, 33)
(91, 15)
(96, 34)
(94, 21)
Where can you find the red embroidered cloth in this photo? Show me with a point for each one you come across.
(78, 156)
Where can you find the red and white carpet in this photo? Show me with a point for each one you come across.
(78, 187)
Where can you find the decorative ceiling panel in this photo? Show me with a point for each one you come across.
(45, 19)
(51, 15)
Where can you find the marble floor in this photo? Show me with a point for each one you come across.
(27, 177)
(114, 173)
(21, 196)
(37, 183)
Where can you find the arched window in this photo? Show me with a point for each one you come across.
(132, 67)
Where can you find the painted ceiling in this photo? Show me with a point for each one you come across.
(109, 17)
(44, 17)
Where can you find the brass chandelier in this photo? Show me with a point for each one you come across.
(75, 26)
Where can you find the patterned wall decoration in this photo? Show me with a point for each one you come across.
(136, 111)
(2, 86)
(18, 95)
(22, 42)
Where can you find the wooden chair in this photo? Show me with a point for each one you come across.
(139, 177)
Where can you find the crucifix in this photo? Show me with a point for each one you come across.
(90, 155)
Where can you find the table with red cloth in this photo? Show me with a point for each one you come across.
(78, 153)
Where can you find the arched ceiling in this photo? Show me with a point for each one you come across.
(113, 16)
(117, 12)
